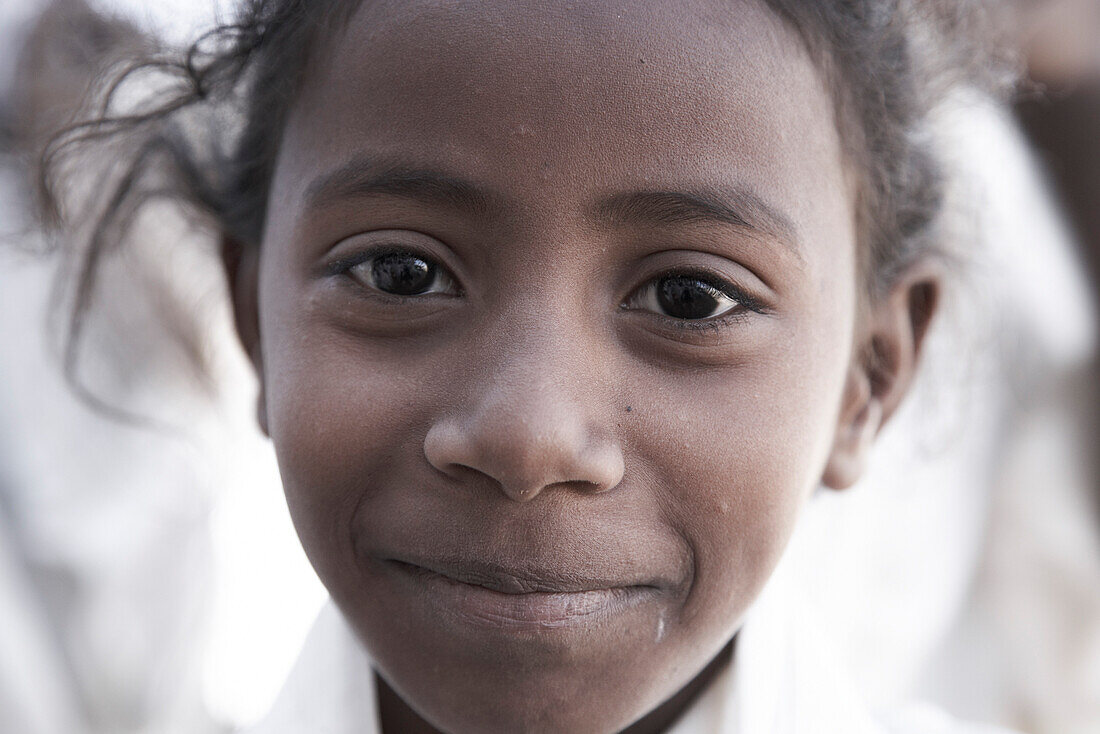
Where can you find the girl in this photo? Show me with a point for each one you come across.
(560, 312)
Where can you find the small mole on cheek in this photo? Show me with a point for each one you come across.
(629, 409)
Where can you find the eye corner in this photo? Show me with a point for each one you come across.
(340, 266)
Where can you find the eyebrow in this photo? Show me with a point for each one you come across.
(737, 207)
(364, 177)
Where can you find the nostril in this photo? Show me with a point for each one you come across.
(464, 473)
(579, 485)
(569, 486)
(524, 458)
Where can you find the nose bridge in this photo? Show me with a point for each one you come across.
(540, 360)
(531, 418)
(536, 397)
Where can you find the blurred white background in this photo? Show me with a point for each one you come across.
(264, 595)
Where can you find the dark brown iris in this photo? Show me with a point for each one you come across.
(686, 297)
(402, 274)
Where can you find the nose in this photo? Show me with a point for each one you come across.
(527, 434)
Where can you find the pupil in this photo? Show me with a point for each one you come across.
(402, 274)
(684, 297)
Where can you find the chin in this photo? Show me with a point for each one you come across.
(524, 665)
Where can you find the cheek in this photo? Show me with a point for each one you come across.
(735, 452)
(341, 418)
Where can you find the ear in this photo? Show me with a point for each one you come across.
(241, 263)
(883, 367)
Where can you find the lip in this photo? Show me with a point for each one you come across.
(504, 598)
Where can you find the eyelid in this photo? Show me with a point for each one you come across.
(358, 246)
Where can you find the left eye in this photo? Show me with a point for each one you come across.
(401, 274)
(685, 297)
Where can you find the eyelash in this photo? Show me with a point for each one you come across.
(715, 324)
(345, 264)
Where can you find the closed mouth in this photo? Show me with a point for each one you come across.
(489, 595)
(502, 580)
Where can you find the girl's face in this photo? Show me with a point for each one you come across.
(557, 309)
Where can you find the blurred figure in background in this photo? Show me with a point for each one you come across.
(1061, 113)
(104, 552)
(1042, 573)
(1061, 117)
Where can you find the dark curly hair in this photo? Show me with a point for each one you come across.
(206, 131)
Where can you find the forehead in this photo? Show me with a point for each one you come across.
(554, 102)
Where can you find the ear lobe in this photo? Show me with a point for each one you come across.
(883, 371)
(241, 264)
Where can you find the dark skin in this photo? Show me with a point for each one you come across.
(1058, 38)
(558, 324)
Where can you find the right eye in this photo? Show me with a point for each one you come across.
(403, 274)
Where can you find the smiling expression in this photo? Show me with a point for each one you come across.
(556, 309)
